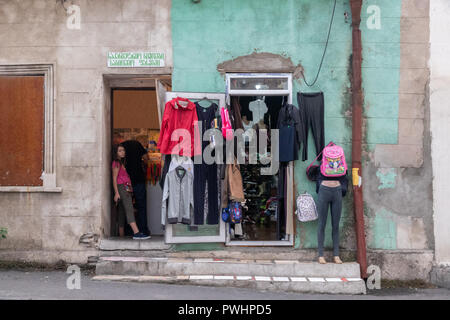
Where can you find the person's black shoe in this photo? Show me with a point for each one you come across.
(140, 236)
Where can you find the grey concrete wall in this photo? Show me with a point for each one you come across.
(48, 226)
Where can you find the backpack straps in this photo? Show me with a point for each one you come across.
(329, 144)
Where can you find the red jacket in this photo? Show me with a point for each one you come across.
(179, 113)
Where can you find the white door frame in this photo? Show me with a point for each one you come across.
(282, 92)
(169, 237)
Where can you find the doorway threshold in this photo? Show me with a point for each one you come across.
(281, 243)
(127, 243)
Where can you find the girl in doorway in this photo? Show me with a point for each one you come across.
(123, 193)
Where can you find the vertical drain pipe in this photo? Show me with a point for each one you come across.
(357, 99)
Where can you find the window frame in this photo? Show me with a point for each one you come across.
(254, 92)
(49, 173)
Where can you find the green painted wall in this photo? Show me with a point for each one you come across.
(381, 71)
(211, 32)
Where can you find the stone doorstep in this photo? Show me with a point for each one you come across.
(163, 266)
(294, 284)
(116, 243)
(226, 277)
(210, 260)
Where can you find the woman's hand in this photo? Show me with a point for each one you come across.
(116, 197)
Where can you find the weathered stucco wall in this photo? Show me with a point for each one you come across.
(397, 168)
(440, 119)
(209, 36)
(205, 37)
(47, 226)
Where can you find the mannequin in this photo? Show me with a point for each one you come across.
(330, 193)
(258, 108)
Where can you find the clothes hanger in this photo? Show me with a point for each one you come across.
(206, 99)
(182, 104)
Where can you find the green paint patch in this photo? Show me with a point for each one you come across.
(384, 231)
(387, 178)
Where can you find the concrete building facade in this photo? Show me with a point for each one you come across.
(404, 209)
(439, 116)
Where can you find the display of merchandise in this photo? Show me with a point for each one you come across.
(258, 191)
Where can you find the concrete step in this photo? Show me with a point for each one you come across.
(156, 243)
(284, 284)
(166, 266)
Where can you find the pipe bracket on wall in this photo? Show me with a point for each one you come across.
(356, 178)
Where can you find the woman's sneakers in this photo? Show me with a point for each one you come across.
(140, 236)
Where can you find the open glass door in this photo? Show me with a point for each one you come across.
(179, 233)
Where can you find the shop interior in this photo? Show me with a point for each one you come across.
(263, 219)
(135, 117)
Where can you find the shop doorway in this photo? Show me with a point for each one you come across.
(268, 212)
(135, 115)
(263, 214)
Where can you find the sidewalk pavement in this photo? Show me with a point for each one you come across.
(52, 285)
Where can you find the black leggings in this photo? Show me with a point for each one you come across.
(329, 197)
(312, 114)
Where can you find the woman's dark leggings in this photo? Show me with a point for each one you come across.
(312, 111)
(329, 197)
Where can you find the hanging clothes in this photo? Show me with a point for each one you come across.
(178, 196)
(258, 108)
(274, 103)
(153, 172)
(290, 134)
(236, 113)
(282, 191)
(312, 110)
(244, 102)
(235, 187)
(179, 113)
(165, 169)
(206, 173)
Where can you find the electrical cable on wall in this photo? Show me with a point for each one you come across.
(324, 51)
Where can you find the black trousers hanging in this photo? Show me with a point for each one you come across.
(312, 112)
(281, 209)
(205, 173)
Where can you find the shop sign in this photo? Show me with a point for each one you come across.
(136, 59)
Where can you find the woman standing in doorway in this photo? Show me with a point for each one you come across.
(123, 193)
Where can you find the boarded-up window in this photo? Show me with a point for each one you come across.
(21, 130)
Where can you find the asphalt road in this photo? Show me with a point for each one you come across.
(52, 285)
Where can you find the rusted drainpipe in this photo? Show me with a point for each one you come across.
(357, 100)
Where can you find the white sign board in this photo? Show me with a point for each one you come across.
(136, 59)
